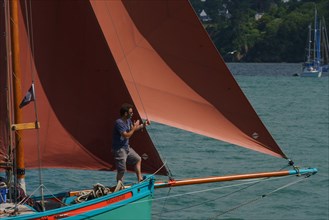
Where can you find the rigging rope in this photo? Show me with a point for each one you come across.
(26, 200)
(252, 182)
(134, 82)
(9, 95)
(164, 203)
(126, 60)
(153, 174)
(259, 197)
(28, 12)
(220, 197)
(246, 182)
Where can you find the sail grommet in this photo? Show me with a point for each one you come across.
(145, 156)
(255, 135)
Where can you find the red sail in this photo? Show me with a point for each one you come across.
(4, 121)
(175, 74)
(90, 57)
(79, 90)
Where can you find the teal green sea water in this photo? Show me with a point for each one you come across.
(295, 111)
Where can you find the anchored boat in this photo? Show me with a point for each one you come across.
(317, 49)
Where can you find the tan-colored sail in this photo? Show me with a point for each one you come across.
(79, 90)
(175, 74)
(4, 114)
(154, 54)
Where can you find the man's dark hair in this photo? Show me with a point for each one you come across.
(125, 108)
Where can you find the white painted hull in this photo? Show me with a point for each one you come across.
(311, 73)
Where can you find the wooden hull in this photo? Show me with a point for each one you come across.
(131, 203)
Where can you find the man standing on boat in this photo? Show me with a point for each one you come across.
(123, 154)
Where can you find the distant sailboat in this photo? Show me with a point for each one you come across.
(324, 47)
(83, 60)
(312, 67)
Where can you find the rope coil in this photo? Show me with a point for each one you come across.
(99, 190)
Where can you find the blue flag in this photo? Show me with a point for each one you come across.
(28, 97)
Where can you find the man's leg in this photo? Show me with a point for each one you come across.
(120, 157)
(120, 175)
(134, 159)
(138, 171)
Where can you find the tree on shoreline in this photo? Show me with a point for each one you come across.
(260, 31)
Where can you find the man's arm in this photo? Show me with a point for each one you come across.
(135, 127)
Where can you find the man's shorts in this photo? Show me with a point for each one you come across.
(123, 156)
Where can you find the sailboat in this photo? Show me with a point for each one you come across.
(312, 67)
(324, 47)
(77, 62)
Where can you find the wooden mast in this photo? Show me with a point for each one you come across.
(17, 92)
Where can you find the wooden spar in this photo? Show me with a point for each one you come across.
(25, 126)
(17, 91)
(174, 183)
